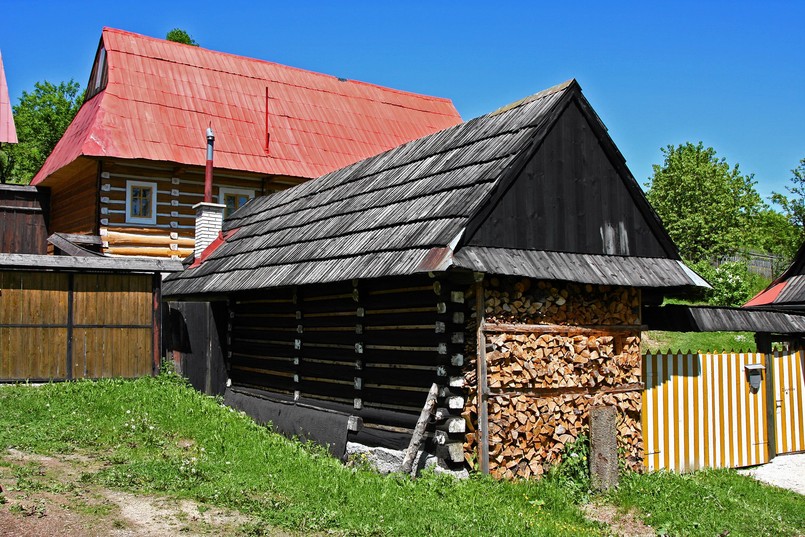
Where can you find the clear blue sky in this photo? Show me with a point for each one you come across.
(731, 74)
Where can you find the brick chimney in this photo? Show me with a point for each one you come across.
(209, 221)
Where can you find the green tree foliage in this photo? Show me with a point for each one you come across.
(41, 118)
(733, 284)
(794, 204)
(707, 206)
(180, 36)
(776, 234)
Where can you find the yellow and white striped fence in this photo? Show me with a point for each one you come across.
(789, 400)
(699, 410)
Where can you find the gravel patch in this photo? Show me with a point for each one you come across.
(785, 471)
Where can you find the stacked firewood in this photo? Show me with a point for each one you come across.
(528, 434)
(541, 302)
(542, 384)
(556, 361)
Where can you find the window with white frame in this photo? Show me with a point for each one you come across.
(141, 202)
(233, 198)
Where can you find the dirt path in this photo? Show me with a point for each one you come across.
(784, 471)
(46, 496)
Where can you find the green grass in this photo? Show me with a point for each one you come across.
(711, 502)
(159, 436)
(659, 341)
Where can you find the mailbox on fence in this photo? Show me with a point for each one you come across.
(754, 374)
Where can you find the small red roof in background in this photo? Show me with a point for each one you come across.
(8, 132)
(766, 297)
(161, 96)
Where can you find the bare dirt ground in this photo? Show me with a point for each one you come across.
(621, 524)
(46, 496)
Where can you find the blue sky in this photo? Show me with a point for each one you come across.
(731, 74)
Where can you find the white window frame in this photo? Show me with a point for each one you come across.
(130, 219)
(224, 190)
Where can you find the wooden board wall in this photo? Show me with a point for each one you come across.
(571, 197)
(56, 326)
(73, 199)
(23, 219)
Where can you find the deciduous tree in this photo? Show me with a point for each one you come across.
(41, 118)
(180, 36)
(794, 204)
(707, 206)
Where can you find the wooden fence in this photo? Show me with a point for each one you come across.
(65, 318)
(701, 410)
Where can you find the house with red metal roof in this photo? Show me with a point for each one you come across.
(130, 167)
(787, 292)
(8, 132)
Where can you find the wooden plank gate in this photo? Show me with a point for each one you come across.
(704, 410)
(70, 325)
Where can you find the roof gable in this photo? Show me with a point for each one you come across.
(8, 131)
(572, 195)
(400, 212)
(156, 98)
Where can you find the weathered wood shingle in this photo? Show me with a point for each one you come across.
(400, 212)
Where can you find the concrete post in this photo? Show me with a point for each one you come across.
(603, 448)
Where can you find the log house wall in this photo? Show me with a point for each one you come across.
(553, 350)
(370, 347)
(92, 200)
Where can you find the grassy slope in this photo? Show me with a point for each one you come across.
(160, 436)
(657, 341)
(712, 502)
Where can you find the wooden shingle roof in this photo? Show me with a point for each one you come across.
(788, 290)
(159, 97)
(405, 211)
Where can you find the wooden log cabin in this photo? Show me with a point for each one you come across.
(505, 259)
(130, 167)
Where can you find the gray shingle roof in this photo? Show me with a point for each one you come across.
(400, 212)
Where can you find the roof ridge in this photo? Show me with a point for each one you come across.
(536, 96)
(259, 60)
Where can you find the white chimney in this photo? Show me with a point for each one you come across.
(209, 221)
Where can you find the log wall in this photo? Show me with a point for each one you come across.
(371, 348)
(177, 192)
(552, 350)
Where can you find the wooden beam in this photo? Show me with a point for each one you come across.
(483, 388)
(559, 328)
(419, 430)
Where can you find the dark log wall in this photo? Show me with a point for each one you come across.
(23, 219)
(369, 348)
(570, 198)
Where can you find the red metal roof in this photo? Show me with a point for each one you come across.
(766, 297)
(161, 96)
(8, 132)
